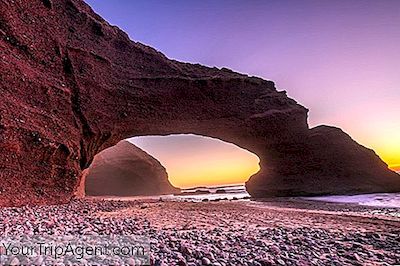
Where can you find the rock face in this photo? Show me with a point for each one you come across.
(71, 85)
(328, 162)
(126, 170)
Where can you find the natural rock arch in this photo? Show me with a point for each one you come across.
(72, 85)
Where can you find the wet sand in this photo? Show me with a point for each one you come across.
(273, 232)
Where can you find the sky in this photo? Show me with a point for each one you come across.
(200, 161)
(340, 59)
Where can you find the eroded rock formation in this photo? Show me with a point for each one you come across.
(71, 85)
(328, 162)
(126, 170)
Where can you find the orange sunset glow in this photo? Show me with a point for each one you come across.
(378, 129)
(200, 161)
(395, 167)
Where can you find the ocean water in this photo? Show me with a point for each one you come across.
(388, 200)
(233, 192)
(238, 192)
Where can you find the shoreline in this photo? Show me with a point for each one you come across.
(299, 202)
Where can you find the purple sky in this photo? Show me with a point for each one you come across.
(341, 59)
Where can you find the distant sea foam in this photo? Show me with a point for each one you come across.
(228, 192)
(388, 200)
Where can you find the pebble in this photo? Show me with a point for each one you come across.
(38, 261)
(14, 261)
(205, 261)
(131, 262)
(281, 262)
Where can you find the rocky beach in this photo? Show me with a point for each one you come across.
(73, 87)
(271, 232)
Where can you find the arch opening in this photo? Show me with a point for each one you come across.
(156, 165)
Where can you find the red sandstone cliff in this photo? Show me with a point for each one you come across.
(126, 170)
(71, 85)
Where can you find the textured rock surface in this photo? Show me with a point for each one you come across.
(71, 85)
(126, 170)
(327, 162)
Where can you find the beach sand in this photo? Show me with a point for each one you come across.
(272, 232)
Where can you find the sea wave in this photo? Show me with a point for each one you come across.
(213, 193)
(388, 200)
